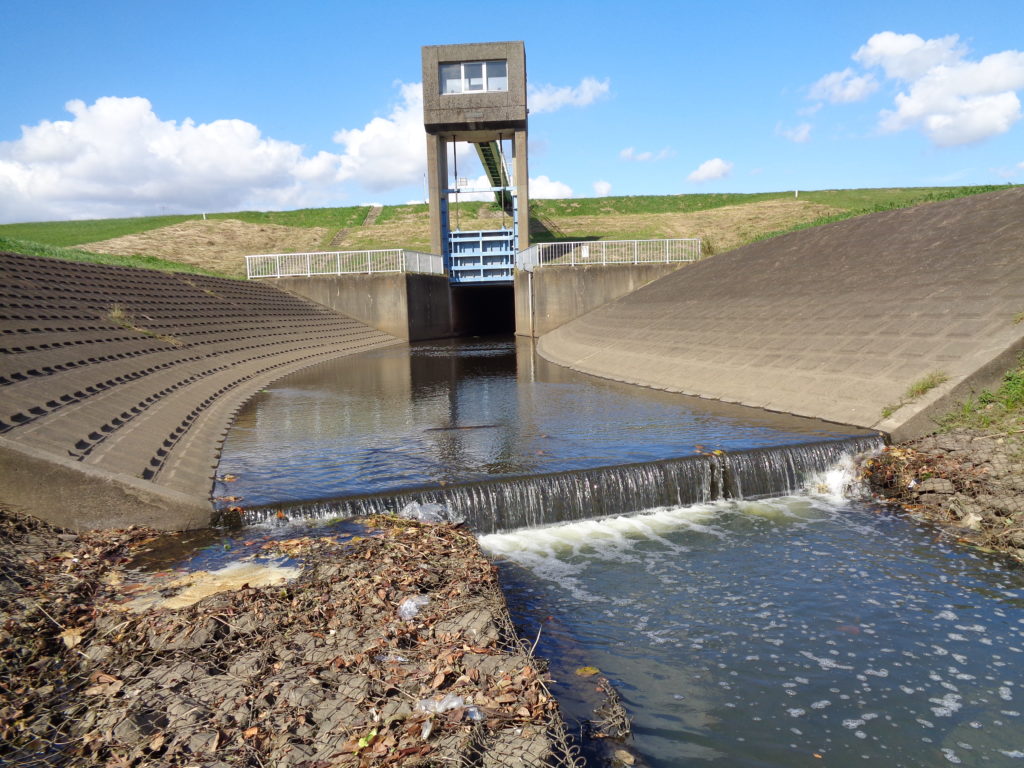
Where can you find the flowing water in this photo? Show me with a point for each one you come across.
(792, 631)
(475, 423)
(748, 609)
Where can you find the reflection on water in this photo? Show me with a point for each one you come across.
(455, 411)
(788, 632)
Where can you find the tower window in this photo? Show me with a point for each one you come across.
(474, 77)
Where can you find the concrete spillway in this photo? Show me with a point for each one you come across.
(835, 322)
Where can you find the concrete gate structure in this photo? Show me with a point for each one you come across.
(476, 93)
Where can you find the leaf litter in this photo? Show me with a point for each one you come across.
(315, 671)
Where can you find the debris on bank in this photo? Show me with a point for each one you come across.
(968, 480)
(393, 649)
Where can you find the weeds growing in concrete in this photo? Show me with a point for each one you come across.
(926, 384)
(121, 317)
(920, 387)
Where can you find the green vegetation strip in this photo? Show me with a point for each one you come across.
(28, 248)
(882, 200)
(1002, 410)
(65, 233)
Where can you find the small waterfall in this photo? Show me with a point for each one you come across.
(493, 506)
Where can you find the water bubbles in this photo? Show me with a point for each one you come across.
(950, 755)
(750, 619)
(947, 705)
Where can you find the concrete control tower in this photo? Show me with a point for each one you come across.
(476, 93)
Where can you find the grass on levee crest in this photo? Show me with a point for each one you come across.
(397, 226)
(29, 248)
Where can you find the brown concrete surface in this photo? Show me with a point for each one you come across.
(549, 297)
(412, 307)
(835, 322)
(105, 421)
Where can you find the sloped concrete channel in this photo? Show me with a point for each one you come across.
(835, 322)
(118, 385)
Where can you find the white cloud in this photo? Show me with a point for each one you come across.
(844, 87)
(908, 57)
(950, 98)
(117, 158)
(544, 188)
(709, 170)
(963, 103)
(630, 153)
(550, 98)
(799, 135)
(602, 188)
(388, 152)
(540, 187)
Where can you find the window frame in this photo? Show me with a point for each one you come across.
(463, 80)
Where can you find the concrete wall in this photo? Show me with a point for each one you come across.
(81, 497)
(411, 307)
(552, 296)
(474, 111)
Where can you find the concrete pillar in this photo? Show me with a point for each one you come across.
(437, 183)
(522, 174)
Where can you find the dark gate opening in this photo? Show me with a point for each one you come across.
(483, 310)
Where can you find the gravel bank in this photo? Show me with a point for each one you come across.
(968, 481)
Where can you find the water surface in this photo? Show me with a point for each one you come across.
(464, 410)
(794, 631)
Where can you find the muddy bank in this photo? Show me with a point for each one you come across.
(393, 648)
(971, 482)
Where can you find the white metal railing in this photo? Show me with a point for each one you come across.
(609, 252)
(342, 263)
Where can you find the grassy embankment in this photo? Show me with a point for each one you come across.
(724, 221)
(1001, 411)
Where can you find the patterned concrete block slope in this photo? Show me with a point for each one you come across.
(117, 385)
(837, 322)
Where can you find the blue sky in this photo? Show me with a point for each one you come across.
(132, 108)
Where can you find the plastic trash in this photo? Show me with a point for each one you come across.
(410, 606)
(429, 513)
(437, 706)
(474, 714)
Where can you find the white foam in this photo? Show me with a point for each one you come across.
(609, 537)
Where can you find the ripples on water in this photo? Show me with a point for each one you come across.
(798, 631)
(770, 633)
(464, 410)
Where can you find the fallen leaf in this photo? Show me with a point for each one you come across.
(72, 637)
(587, 671)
